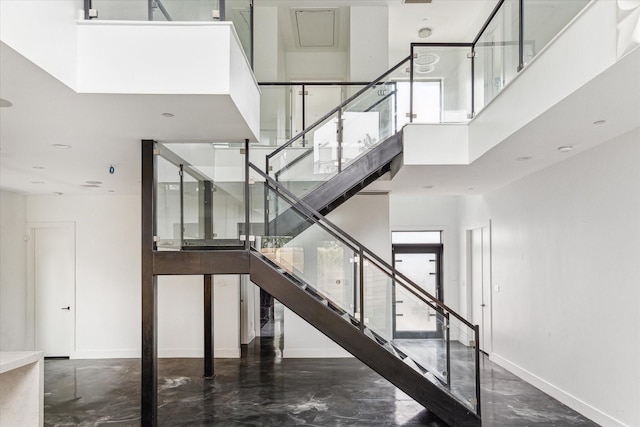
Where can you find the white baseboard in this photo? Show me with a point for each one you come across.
(568, 399)
(220, 353)
(106, 354)
(311, 353)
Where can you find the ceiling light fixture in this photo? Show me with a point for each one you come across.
(57, 193)
(523, 158)
(5, 104)
(425, 33)
(167, 115)
(90, 186)
(61, 146)
(599, 122)
(565, 148)
(37, 167)
(94, 182)
(427, 187)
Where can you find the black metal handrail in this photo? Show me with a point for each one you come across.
(318, 219)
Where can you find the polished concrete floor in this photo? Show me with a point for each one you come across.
(262, 389)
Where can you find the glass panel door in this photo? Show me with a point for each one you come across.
(420, 264)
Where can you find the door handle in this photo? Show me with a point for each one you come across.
(66, 308)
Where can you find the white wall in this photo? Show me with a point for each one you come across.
(44, 32)
(108, 284)
(316, 66)
(566, 251)
(368, 42)
(359, 216)
(13, 264)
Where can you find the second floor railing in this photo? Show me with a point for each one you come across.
(240, 12)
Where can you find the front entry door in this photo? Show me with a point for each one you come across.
(422, 265)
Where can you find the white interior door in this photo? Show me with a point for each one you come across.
(54, 285)
(480, 280)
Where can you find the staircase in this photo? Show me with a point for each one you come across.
(357, 314)
(351, 146)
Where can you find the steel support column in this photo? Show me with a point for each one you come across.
(208, 326)
(149, 386)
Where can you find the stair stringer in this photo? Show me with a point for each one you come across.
(368, 351)
(386, 157)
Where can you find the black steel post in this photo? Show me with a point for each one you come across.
(149, 386)
(223, 10)
(473, 82)
(206, 212)
(361, 256)
(340, 136)
(448, 332)
(208, 326)
(304, 120)
(477, 337)
(87, 7)
(411, 85)
(149, 10)
(247, 219)
(521, 35)
(181, 173)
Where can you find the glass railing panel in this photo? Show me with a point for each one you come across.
(185, 10)
(441, 84)
(167, 207)
(378, 296)
(543, 20)
(275, 115)
(463, 363)
(310, 160)
(317, 259)
(240, 13)
(419, 331)
(497, 54)
(121, 10)
(210, 203)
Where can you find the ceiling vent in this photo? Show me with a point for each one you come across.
(315, 28)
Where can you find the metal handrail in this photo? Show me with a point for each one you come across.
(316, 217)
(338, 108)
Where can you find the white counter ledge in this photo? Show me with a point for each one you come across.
(21, 388)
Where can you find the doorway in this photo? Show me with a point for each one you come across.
(422, 264)
(479, 278)
(52, 278)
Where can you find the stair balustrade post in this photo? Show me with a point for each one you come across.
(361, 256)
(448, 335)
(340, 136)
(477, 338)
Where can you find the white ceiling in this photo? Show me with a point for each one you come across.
(106, 130)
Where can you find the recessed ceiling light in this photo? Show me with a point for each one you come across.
(61, 146)
(37, 182)
(523, 158)
(470, 188)
(112, 191)
(565, 148)
(94, 182)
(425, 33)
(57, 193)
(167, 115)
(37, 167)
(599, 122)
(89, 186)
(427, 187)
(5, 104)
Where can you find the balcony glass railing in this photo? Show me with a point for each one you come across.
(200, 195)
(240, 12)
(365, 290)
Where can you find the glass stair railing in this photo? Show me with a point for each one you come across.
(337, 140)
(360, 288)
